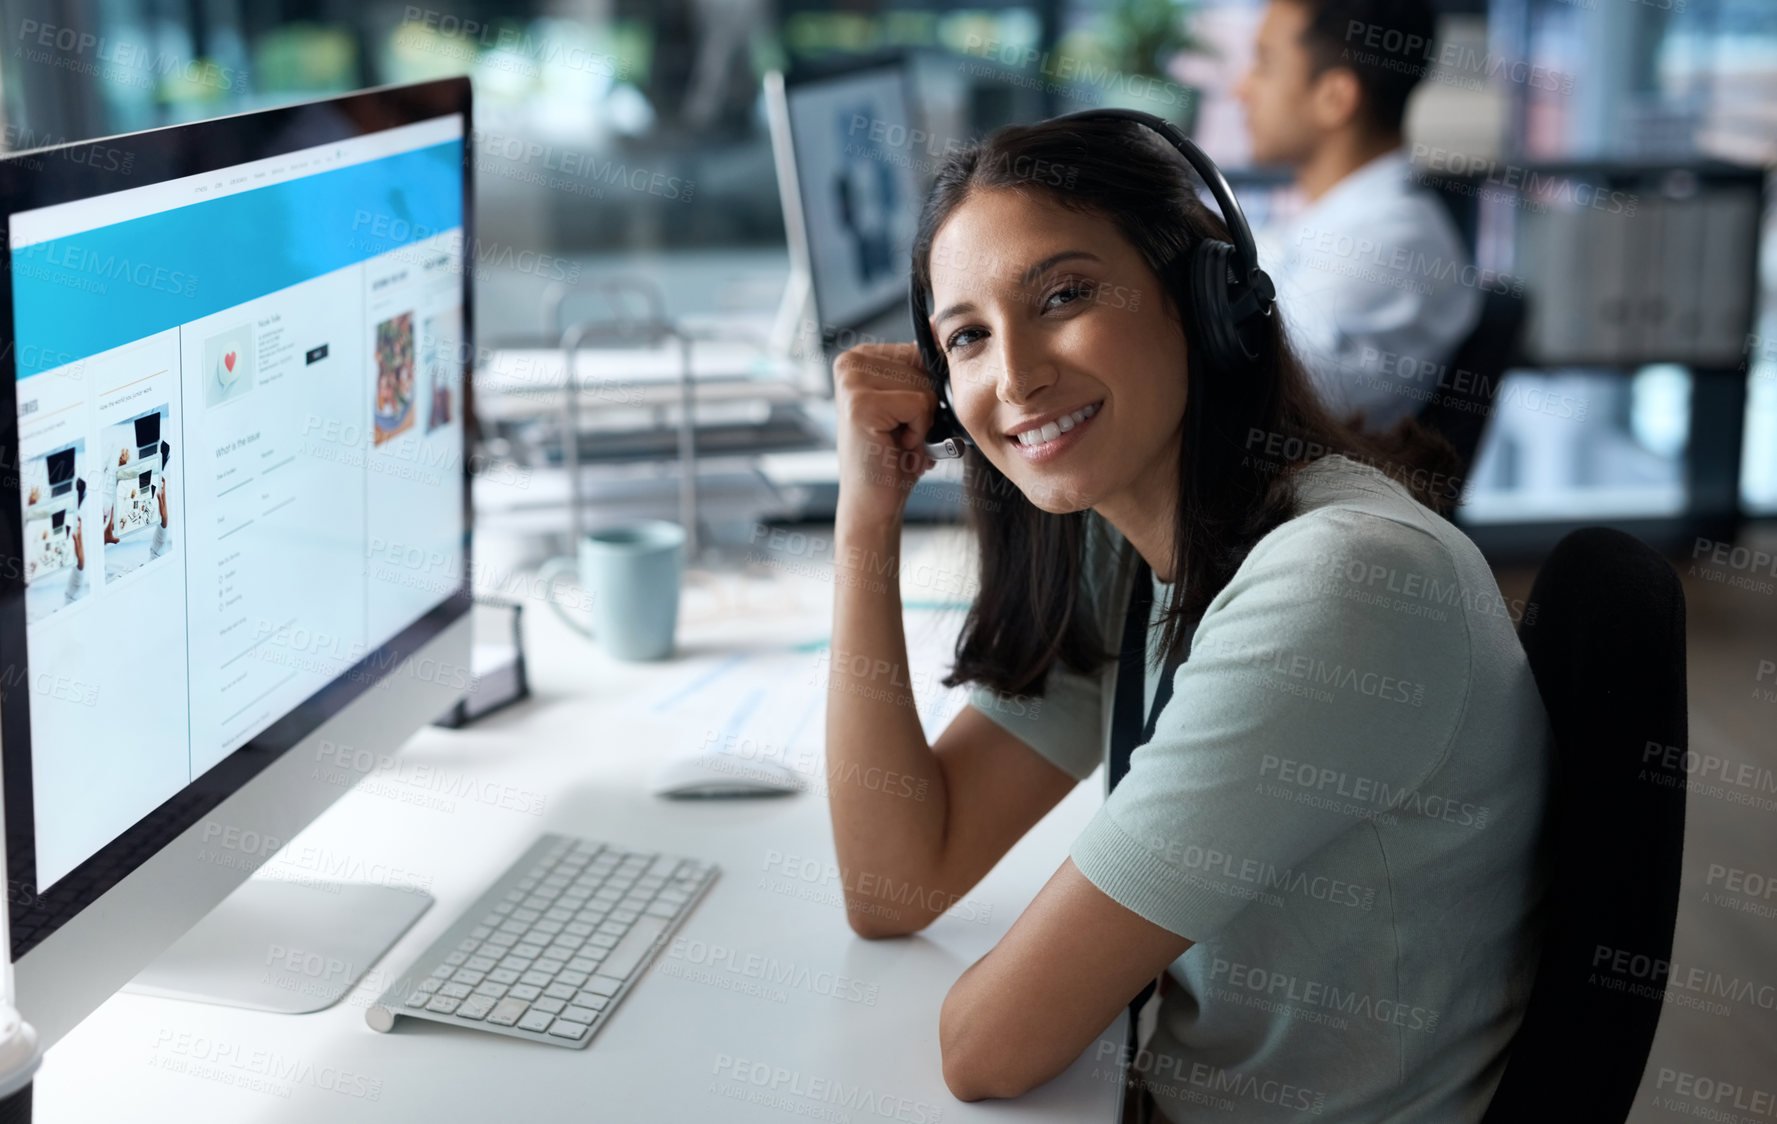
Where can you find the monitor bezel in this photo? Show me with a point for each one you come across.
(900, 63)
(65, 173)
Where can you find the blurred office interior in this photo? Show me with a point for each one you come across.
(1674, 113)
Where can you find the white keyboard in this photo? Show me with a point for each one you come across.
(553, 946)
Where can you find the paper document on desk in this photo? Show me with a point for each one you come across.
(770, 704)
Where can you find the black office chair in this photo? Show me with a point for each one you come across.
(1464, 401)
(1606, 645)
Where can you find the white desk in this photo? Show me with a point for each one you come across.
(687, 1043)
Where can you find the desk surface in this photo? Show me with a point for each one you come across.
(794, 1017)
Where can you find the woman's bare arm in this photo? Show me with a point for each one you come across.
(915, 825)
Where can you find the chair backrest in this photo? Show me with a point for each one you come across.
(1463, 402)
(1604, 635)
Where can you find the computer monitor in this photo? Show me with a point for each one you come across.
(219, 327)
(852, 169)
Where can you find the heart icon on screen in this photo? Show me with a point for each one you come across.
(228, 361)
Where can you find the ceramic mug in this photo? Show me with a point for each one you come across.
(631, 571)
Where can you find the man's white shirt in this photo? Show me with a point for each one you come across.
(1375, 288)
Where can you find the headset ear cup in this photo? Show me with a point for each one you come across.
(1212, 301)
(1208, 278)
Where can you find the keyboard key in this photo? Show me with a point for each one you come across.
(536, 1020)
(517, 963)
(553, 1006)
(525, 915)
(549, 966)
(481, 964)
(503, 975)
(581, 964)
(456, 990)
(481, 932)
(443, 1004)
(431, 984)
(502, 941)
(465, 976)
(579, 1015)
(634, 947)
(604, 985)
(537, 979)
(572, 979)
(525, 992)
(531, 950)
(476, 1007)
(598, 940)
(560, 991)
(591, 1000)
(468, 944)
(456, 958)
(663, 867)
(444, 970)
(623, 916)
(419, 999)
(562, 1028)
(662, 909)
(579, 929)
(507, 1011)
(490, 988)
(614, 928)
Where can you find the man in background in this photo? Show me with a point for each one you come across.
(1371, 274)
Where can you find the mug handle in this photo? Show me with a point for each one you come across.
(550, 571)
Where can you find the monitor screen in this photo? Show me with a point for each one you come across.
(228, 358)
(859, 168)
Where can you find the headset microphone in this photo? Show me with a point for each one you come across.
(1231, 297)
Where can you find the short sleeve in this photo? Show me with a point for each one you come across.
(1065, 726)
(1338, 652)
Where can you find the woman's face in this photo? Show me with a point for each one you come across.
(1041, 312)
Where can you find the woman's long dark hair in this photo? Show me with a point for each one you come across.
(1246, 430)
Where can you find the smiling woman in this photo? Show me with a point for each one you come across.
(1298, 842)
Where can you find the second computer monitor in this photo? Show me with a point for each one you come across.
(860, 170)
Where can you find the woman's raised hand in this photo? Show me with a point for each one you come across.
(886, 405)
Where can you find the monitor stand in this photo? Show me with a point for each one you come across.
(285, 947)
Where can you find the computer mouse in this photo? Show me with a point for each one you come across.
(720, 774)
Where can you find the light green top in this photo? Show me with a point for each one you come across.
(1339, 807)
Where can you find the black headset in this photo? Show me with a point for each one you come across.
(1231, 297)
